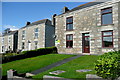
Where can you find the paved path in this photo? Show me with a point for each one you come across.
(54, 65)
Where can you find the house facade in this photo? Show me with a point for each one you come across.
(8, 42)
(36, 35)
(92, 28)
(1, 43)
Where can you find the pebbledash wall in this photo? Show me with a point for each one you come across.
(87, 19)
(44, 31)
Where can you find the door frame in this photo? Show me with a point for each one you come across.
(29, 45)
(83, 43)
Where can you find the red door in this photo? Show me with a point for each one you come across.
(86, 43)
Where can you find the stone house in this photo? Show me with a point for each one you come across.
(8, 42)
(1, 44)
(91, 28)
(36, 35)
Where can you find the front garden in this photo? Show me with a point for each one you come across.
(83, 62)
(34, 63)
(106, 66)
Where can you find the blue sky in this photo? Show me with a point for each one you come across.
(16, 14)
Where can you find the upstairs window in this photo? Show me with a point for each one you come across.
(9, 39)
(69, 23)
(107, 38)
(23, 34)
(2, 40)
(36, 33)
(69, 41)
(106, 15)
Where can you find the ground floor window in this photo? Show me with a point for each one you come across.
(9, 47)
(23, 45)
(2, 48)
(36, 43)
(69, 41)
(107, 39)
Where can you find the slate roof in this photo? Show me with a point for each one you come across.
(83, 6)
(40, 21)
(10, 33)
(36, 22)
(86, 5)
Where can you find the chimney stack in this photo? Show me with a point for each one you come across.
(28, 23)
(65, 9)
(53, 19)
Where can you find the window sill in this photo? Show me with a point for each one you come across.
(107, 47)
(106, 24)
(35, 38)
(69, 48)
(70, 30)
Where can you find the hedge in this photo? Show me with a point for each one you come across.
(9, 54)
(108, 65)
(31, 53)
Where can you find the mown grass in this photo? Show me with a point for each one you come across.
(83, 62)
(34, 63)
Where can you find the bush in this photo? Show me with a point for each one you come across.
(108, 65)
(31, 53)
(9, 54)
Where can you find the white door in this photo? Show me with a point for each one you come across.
(29, 46)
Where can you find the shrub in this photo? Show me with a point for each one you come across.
(9, 54)
(31, 53)
(108, 65)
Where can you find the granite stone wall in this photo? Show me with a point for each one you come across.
(0, 44)
(119, 25)
(45, 39)
(87, 20)
(29, 36)
(6, 43)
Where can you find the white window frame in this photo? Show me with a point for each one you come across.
(35, 44)
(22, 45)
(2, 48)
(23, 34)
(36, 37)
(9, 39)
(3, 39)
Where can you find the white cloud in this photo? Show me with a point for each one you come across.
(12, 28)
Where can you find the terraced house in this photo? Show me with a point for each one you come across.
(36, 35)
(8, 42)
(91, 28)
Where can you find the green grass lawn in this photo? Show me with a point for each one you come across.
(34, 63)
(83, 62)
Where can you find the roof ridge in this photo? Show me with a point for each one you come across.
(39, 20)
(84, 4)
